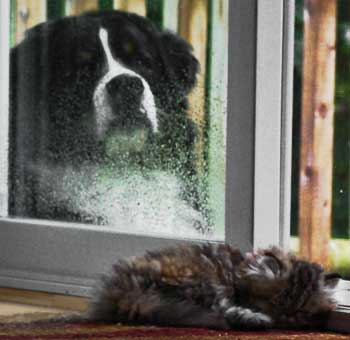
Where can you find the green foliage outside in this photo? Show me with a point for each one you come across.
(339, 255)
(341, 166)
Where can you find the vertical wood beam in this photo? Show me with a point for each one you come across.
(133, 6)
(193, 23)
(316, 155)
(28, 14)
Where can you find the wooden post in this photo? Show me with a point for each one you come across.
(79, 6)
(193, 23)
(28, 14)
(316, 161)
(133, 6)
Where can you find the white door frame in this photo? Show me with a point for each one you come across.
(66, 258)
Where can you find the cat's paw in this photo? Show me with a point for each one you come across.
(261, 267)
(245, 318)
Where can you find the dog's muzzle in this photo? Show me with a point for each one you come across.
(124, 95)
(120, 94)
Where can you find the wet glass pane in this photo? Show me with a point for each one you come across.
(117, 118)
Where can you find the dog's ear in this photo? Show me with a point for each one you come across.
(182, 63)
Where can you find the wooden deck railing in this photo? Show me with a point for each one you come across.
(316, 154)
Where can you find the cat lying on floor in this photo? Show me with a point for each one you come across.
(216, 286)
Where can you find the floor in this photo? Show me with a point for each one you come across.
(9, 308)
(339, 321)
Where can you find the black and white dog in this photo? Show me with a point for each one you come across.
(99, 130)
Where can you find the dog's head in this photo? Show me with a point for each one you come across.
(111, 77)
(113, 71)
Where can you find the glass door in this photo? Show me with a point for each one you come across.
(130, 125)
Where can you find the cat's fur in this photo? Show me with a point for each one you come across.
(216, 286)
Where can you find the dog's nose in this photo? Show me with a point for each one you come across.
(125, 84)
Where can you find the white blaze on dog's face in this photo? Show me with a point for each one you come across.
(103, 110)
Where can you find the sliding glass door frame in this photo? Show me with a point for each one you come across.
(66, 258)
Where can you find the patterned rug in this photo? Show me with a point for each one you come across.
(24, 327)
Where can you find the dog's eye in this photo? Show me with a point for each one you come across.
(86, 56)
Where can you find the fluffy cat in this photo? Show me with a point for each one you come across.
(216, 286)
